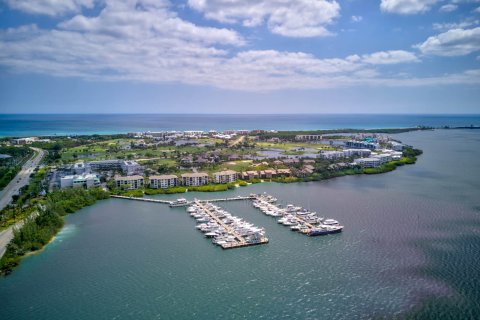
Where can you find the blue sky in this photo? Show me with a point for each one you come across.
(240, 56)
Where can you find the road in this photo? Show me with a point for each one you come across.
(7, 235)
(237, 141)
(21, 179)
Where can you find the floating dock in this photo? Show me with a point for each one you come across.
(240, 241)
(307, 223)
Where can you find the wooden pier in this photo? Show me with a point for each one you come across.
(142, 199)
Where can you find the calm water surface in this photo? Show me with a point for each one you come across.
(410, 249)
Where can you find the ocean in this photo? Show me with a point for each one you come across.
(23, 125)
(410, 250)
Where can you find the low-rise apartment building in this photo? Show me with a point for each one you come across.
(163, 181)
(194, 179)
(131, 182)
(368, 162)
(227, 176)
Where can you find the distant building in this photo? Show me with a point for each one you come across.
(127, 167)
(133, 182)
(194, 179)
(330, 155)
(80, 168)
(163, 181)
(396, 146)
(24, 140)
(308, 137)
(248, 175)
(77, 181)
(131, 168)
(268, 174)
(364, 153)
(284, 172)
(362, 145)
(384, 157)
(227, 176)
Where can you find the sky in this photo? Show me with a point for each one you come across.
(240, 56)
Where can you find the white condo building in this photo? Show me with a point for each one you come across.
(163, 181)
(227, 176)
(368, 162)
(133, 182)
(194, 179)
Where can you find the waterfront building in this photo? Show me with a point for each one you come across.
(194, 179)
(368, 162)
(133, 182)
(227, 176)
(284, 172)
(396, 146)
(248, 175)
(163, 181)
(384, 157)
(85, 180)
(270, 173)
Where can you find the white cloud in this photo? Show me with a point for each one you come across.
(448, 7)
(407, 6)
(356, 18)
(296, 18)
(390, 57)
(143, 41)
(455, 42)
(455, 25)
(50, 7)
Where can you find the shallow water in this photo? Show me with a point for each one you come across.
(410, 249)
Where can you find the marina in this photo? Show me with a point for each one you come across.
(228, 231)
(297, 218)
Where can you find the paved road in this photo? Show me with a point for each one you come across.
(7, 235)
(237, 141)
(21, 179)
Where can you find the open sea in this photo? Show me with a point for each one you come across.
(22, 125)
(410, 250)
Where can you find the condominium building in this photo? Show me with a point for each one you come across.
(163, 181)
(77, 181)
(362, 145)
(368, 162)
(194, 179)
(364, 153)
(226, 176)
(131, 182)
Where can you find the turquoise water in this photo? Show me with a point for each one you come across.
(410, 249)
(63, 124)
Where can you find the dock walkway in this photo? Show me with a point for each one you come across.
(142, 199)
